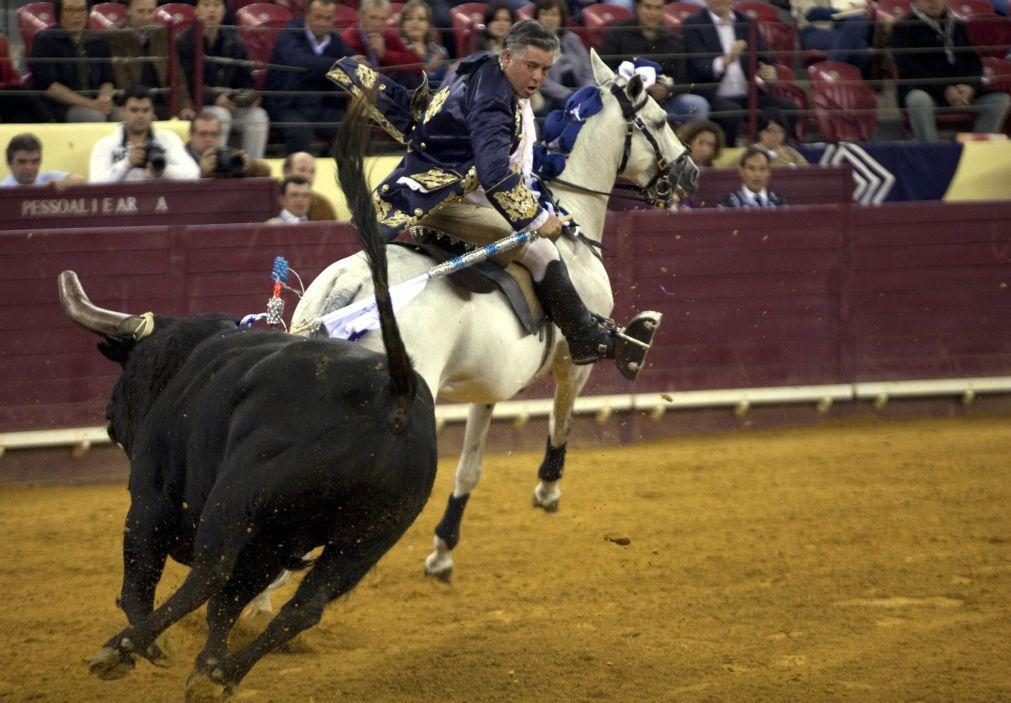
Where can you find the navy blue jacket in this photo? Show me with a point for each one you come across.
(913, 33)
(293, 48)
(218, 77)
(702, 44)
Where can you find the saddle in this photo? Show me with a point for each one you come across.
(513, 280)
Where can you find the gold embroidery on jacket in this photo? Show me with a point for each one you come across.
(436, 104)
(366, 76)
(518, 202)
(339, 76)
(435, 178)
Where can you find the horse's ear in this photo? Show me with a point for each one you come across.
(634, 87)
(601, 72)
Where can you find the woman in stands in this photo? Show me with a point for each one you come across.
(572, 69)
(416, 30)
(705, 139)
(772, 132)
(498, 19)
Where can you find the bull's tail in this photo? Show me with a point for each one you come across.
(349, 149)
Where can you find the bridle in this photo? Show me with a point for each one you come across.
(660, 190)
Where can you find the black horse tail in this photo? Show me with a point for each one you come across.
(349, 149)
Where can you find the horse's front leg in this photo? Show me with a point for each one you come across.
(468, 472)
(569, 382)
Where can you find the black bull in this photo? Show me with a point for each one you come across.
(248, 450)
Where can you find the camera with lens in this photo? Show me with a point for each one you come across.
(229, 161)
(154, 154)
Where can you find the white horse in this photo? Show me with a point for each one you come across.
(476, 351)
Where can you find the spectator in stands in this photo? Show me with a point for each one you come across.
(24, 157)
(772, 138)
(215, 159)
(304, 164)
(14, 107)
(419, 36)
(310, 43)
(571, 69)
(135, 151)
(755, 168)
(645, 36)
(379, 45)
(950, 75)
(72, 66)
(142, 50)
(705, 140)
(228, 80)
(498, 20)
(844, 29)
(296, 195)
(716, 40)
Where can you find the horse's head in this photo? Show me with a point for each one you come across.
(652, 157)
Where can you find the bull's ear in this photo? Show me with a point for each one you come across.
(116, 350)
(634, 87)
(601, 72)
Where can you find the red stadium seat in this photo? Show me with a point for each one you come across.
(757, 10)
(107, 15)
(32, 19)
(596, 20)
(297, 7)
(259, 26)
(964, 9)
(526, 12)
(997, 74)
(395, 9)
(844, 106)
(467, 20)
(991, 35)
(674, 14)
(176, 15)
(236, 5)
(9, 76)
(892, 9)
(785, 86)
(345, 17)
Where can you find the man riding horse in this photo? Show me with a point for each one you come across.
(468, 172)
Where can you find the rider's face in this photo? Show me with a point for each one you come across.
(527, 69)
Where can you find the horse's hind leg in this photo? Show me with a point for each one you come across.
(569, 382)
(468, 472)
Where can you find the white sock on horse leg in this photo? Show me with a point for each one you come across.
(538, 255)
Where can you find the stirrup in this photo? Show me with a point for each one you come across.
(632, 343)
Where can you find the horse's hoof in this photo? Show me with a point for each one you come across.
(550, 506)
(111, 663)
(201, 687)
(548, 502)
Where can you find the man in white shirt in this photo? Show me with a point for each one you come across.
(135, 152)
(755, 168)
(24, 157)
(295, 198)
(716, 41)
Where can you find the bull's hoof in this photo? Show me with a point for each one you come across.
(157, 656)
(111, 663)
(206, 687)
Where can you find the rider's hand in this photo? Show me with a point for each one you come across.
(552, 229)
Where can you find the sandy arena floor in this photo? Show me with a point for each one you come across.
(855, 562)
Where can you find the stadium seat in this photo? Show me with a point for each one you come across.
(758, 10)
(395, 9)
(785, 86)
(674, 14)
(345, 17)
(892, 9)
(990, 34)
(107, 15)
(259, 24)
(176, 15)
(964, 9)
(526, 12)
(596, 20)
(297, 7)
(32, 19)
(467, 20)
(997, 74)
(844, 106)
(236, 5)
(779, 36)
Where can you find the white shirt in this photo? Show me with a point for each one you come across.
(286, 216)
(44, 178)
(753, 199)
(734, 83)
(317, 46)
(110, 162)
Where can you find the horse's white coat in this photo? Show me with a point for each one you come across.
(475, 351)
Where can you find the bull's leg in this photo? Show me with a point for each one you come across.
(338, 570)
(468, 472)
(569, 382)
(219, 540)
(252, 575)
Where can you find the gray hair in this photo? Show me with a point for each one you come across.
(530, 33)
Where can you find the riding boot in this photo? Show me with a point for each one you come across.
(588, 340)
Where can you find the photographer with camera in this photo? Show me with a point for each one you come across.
(215, 159)
(228, 88)
(135, 152)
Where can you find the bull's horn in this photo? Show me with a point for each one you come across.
(95, 319)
